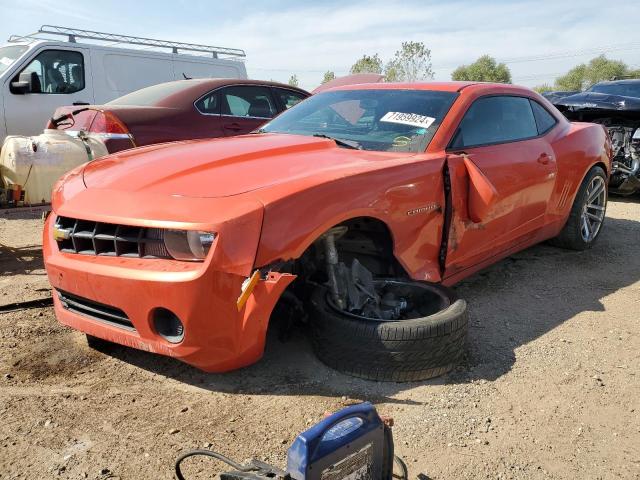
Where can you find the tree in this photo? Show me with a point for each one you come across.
(545, 87)
(409, 64)
(293, 80)
(367, 64)
(328, 76)
(485, 69)
(598, 69)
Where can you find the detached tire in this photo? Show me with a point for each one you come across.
(398, 351)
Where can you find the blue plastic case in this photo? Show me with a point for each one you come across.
(346, 445)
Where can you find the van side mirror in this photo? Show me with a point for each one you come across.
(28, 82)
(20, 87)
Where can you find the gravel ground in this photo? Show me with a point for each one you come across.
(550, 386)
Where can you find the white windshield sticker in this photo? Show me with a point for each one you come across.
(412, 119)
(6, 60)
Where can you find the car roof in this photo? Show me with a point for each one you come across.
(193, 89)
(452, 86)
(195, 85)
(619, 82)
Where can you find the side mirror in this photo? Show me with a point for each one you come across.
(20, 87)
(28, 82)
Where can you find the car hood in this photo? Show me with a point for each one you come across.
(223, 167)
(590, 100)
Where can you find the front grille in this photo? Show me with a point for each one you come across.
(97, 238)
(95, 310)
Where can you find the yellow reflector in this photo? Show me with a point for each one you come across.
(247, 287)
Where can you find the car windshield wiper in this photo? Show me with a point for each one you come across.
(343, 143)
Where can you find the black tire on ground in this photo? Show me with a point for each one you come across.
(397, 351)
(571, 235)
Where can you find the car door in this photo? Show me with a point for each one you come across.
(58, 77)
(244, 108)
(503, 171)
(206, 120)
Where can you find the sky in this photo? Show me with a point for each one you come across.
(539, 40)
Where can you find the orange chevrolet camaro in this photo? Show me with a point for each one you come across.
(352, 213)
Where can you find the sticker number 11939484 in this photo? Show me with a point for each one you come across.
(412, 119)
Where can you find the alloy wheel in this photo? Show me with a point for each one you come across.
(594, 209)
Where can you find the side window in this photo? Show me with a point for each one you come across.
(496, 120)
(209, 104)
(544, 120)
(288, 97)
(247, 101)
(57, 71)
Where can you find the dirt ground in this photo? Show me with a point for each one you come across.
(550, 386)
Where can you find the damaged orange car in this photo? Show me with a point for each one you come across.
(355, 211)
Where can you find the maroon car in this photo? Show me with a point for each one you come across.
(179, 110)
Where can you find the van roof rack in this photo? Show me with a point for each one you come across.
(75, 33)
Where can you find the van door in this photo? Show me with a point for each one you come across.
(58, 76)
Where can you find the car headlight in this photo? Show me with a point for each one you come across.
(190, 245)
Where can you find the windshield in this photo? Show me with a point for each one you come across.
(10, 54)
(382, 120)
(151, 96)
(623, 89)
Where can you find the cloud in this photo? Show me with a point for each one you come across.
(286, 37)
(310, 39)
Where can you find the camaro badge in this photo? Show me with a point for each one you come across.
(426, 208)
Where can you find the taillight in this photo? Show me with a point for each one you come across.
(107, 122)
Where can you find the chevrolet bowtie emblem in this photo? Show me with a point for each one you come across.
(61, 233)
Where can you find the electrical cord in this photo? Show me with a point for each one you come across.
(208, 453)
(403, 467)
(245, 468)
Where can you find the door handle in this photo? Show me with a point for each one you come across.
(233, 126)
(545, 158)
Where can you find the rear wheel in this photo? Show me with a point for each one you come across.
(428, 342)
(587, 214)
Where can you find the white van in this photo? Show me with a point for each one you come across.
(38, 75)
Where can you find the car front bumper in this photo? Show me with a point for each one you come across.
(217, 337)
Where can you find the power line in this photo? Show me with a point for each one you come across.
(524, 59)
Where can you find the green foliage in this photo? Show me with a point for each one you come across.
(545, 87)
(293, 80)
(598, 69)
(485, 69)
(409, 64)
(328, 76)
(367, 64)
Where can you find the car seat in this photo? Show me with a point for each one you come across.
(260, 107)
(56, 81)
(78, 81)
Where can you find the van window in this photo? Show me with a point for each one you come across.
(59, 71)
(10, 54)
(496, 119)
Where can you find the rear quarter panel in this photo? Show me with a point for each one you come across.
(577, 147)
(408, 196)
